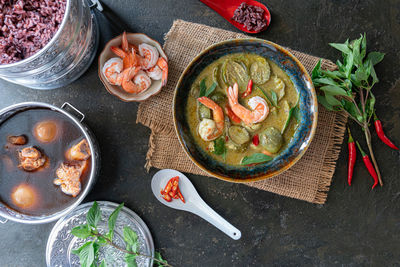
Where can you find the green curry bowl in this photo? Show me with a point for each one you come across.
(275, 121)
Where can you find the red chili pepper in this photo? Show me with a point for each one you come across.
(175, 184)
(168, 187)
(381, 134)
(352, 157)
(180, 196)
(231, 115)
(167, 197)
(369, 166)
(249, 89)
(256, 140)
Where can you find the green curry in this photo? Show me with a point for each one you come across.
(242, 143)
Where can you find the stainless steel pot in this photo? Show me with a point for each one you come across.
(66, 56)
(77, 119)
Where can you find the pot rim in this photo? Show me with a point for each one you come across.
(54, 216)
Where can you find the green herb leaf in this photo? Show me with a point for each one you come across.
(361, 74)
(332, 100)
(86, 254)
(370, 105)
(333, 74)
(293, 112)
(130, 236)
(211, 89)
(290, 115)
(267, 97)
(93, 216)
(157, 256)
(203, 88)
(341, 47)
(333, 90)
(322, 101)
(103, 264)
(219, 146)
(112, 219)
(81, 231)
(326, 80)
(356, 51)
(349, 61)
(363, 46)
(375, 57)
(373, 75)
(274, 98)
(255, 159)
(351, 108)
(317, 70)
(130, 260)
(296, 113)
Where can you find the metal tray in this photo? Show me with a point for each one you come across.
(61, 242)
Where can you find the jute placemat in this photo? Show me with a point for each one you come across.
(309, 179)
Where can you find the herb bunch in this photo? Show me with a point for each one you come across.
(88, 252)
(349, 89)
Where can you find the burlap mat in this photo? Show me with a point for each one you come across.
(309, 179)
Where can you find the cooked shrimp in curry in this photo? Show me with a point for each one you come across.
(238, 109)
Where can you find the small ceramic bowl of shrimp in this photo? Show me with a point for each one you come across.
(133, 67)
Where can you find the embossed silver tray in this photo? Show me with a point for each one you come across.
(61, 242)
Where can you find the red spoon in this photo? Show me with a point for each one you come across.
(226, 8)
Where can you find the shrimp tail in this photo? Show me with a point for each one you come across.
(163, 65)
(124, 42)
(118, 51)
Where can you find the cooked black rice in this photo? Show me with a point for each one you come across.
(27, 26)
(252, 17)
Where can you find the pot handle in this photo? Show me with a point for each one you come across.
(80, 116)
(3, 220)
(96, 4)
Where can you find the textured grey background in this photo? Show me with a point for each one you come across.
(356, 227)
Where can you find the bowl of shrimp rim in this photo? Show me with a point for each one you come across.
(223, 132)
(133, 67)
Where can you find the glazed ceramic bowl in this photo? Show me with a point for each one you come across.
(307, 103)
(106, 54)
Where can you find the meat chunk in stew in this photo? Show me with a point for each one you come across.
(31, 159)
(69, 177)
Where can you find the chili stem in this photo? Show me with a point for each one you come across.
(371, 152)
(129, 252)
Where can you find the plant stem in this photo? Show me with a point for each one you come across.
(127, 251)
(371, 152)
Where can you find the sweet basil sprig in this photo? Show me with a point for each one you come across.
(88, 252)
(349, 89)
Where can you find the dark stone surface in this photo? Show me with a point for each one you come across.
(355, 227)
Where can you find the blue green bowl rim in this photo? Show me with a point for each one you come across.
(261, 176)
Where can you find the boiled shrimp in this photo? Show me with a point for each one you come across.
(135, 80)
(129, 58)
(149, 56)
(112, 70)
(259, 107)
(207, 131)
(159, 71)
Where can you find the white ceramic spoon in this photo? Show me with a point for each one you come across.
(194, 203)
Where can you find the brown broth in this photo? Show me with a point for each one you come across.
(50, 197)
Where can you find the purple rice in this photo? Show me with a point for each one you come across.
(26, 26)
(252, 17)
